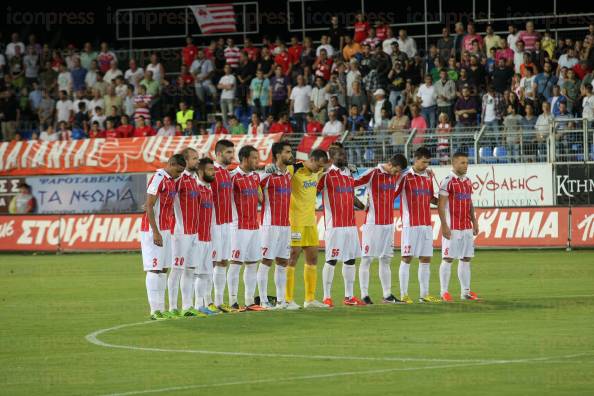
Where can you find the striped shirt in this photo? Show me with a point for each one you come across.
(415, 204)
(338, 196)
(193, 206)
(459, 192)
(381, 189)
(162, 185)
(221, 191)
(276, 189)
(232, 56)
(245, 199)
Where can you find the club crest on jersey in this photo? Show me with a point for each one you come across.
(193, 194)
(421, 191)
(310, 184)
(225, 184)
(347, 189)
(206, 205)
(463, 196)
(387, 186)
(249, 192)
(283, 190)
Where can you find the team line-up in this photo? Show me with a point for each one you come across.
(202, 222)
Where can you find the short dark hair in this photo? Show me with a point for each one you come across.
(334, 150)
(337, 144)
(203, 162)
(222, 145)
(177, 159)
(422, 152)
(245, 152)
(399, 160)
(459, 154)
(318, 155)
(278, 147)
(24, 185)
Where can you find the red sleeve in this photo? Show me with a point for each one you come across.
(151, 132)
(365, 178)
(321, 183)
(400, 186)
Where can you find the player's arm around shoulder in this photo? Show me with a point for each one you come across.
(444, 194)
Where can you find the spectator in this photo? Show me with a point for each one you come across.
(568, 60)
(300, 103)
(418, 124)
(383, 125)
(333, 126)
(350, 49)
(388, 41)
(279, 92)
(361, 28)
(99, 118)
(466, 109)
(528, 86)
(336, 33)
(227, 84)
(64, 108)
(91, 75)
(445, 44)
(427, 98)
(407, 44)
(334, 105)
(260, 94)
(443, 132)
(588, 103)
(319, 100)
(183, 115)
(505, 53)
(323, 65)
(112, 100)
(502, 76)
(519, 56)
(24, 202)
(189, 52)
(380, 102)
(314, 127)
(399, 126)
(168, 129)
(571, 90)
(282, 125)
(512, 128)
(529, 37)
(203, 70)
(35, 96)
(445, 91)
(87, 56)
(372, 40)
(113, 72)
(491, 39)
(114, 117)
(110, 131)
(151, 84)
(381, 28)
(125, 130)
(141, 129)
(134, 74)
(219, 127)
(256, 127)
(308, 55)
(31, 66)
(157, 72)
(142, 103)
(459, 39)
(471, 36)
(493, 109)
(49, 134)
(65, 80)
(325, 46)
(236, 127)
(96, 132)
(105, 57)
(63, 132)
(359, 98)
(352, 75)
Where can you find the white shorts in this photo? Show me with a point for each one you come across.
(221, 242)
(460, 245)
(416, 241)
(245, 245)
(155, 258)
(276, 242)
(377, 240)
(342, 244)
(202, 258)
(182, 247)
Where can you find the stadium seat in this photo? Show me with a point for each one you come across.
(486, 155)
(500, 154)
(471, 155)
(578, 151)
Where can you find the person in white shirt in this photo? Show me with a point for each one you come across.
(80, 98)
(568, 60)
(387, 43)
(352, 75)
(333, 127)
(588, 104)
(512, 37)
(11, 47)
(134, 74)
(380, 102)
(64, 108)
(156, 68)
(112, 73)
(300, 102)
(319, 100)
(97, 101)
(428, 101)
(324, 44)
(64, 80)
(99, 117)
(227, 84)
(407, 44)
(168, 129)
(518, 56)
(91, 76)
(49, 135)
(202, 70)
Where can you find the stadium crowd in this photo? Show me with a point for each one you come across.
(368, 79)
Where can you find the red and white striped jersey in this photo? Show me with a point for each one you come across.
(232, 56)
(162, 185)
(415, 201)
(338, 196)
(193, 207)
(245, 199)
(277, 198)
(459, 192)
(381, 189)
(221, 191)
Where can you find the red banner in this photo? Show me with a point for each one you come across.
(312, 142)
(115, 155)
(509, 227)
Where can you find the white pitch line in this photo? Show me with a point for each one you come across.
(93, 339)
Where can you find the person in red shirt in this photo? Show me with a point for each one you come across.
(314, 127)
(323, 65)
(110, 131)
(458, 227)
(417, 196)
(155, 232)
(342, 238)
(276, 230)
(219, 127)
(189, 52)
(253, 53)
(96, 131)
(378, 230)
(282, 125)
(361, 28)
(381, 30)
(295, 51)
(125, 130)
(141, 129)
(283, 59)
(210, 50)
(186, 76)
(246, 247)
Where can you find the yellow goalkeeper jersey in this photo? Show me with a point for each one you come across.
(302, 210)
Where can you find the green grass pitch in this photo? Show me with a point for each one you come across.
(532, 335)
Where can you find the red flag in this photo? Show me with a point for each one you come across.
(215, 18)
(312, 142)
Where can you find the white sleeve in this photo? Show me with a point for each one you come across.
(444, 186)
(155, 184)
